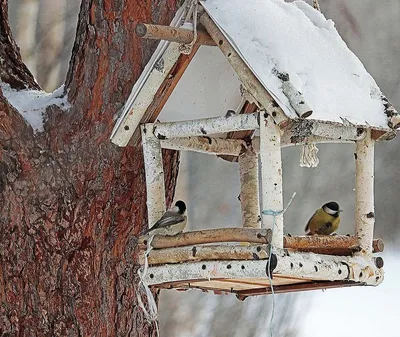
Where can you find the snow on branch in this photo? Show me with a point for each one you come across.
(32, 104)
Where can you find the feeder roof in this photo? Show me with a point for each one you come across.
(273, 38)
(296, 39)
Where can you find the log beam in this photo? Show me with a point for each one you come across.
(204, 126)
(271, 179)
(321, 244)
(299, 265)
(173, 34)
(341, 245)
(249, 189)
(251, 235)
(365, 216)
(207, 253)
(154, 170)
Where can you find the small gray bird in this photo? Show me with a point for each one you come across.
(172, 222)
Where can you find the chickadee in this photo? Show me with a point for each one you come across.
(172, 222)
(325, 220)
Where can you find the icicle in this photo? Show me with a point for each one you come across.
(308, 155)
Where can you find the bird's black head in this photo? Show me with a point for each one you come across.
(331, 208)
(181, 205)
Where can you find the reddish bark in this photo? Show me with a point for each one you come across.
(71, 203)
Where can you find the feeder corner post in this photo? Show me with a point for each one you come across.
(249, 189)
(271, 178)
(154, 171)
(364, 214)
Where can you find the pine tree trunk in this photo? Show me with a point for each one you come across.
(71, 203)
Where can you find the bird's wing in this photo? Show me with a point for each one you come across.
(169, 218)
(308, 223)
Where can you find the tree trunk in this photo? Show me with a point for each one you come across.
(72, 204)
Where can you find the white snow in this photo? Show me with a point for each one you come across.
(357, 311)
(32, 104)
(297, 39)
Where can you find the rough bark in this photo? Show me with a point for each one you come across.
(72, 204)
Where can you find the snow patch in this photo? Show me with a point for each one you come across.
(32, 104)
(296, 39)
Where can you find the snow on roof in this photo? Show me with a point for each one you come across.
(295, 38)
(32, 104)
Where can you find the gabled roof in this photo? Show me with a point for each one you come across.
(295, 39)
(280, 43)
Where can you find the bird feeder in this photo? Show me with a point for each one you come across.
(278, 110)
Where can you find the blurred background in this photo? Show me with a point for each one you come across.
(45, 31)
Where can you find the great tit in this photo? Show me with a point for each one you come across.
(171, 223)
(325, 220)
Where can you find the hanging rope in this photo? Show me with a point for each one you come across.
(144, 290)
(187, 48)
(275, 214)
(308, 155)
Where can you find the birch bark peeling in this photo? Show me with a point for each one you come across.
(153, 165)
(365, 216)
(251, 235)
(246, 76)
(271, 178)
(249, 189)
(173, 34)
(207, 253)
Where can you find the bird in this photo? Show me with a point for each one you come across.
(325, 220)
(171, 223)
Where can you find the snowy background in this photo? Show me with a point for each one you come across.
(45, 30)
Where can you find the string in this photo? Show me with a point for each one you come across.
(143, 289)
(274, 214)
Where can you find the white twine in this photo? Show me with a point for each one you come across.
(143, 289)
(274, 214)
(187, 48)
(308, 155)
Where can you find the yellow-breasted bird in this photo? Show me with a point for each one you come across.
(325, 220)
(171, 223)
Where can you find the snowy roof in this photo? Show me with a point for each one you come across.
(296, 39)
(278, 41)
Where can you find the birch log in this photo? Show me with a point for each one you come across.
(249, 189)
(299, 265)
(365, 216)
(205, 126)
(251, 235)
(153, 165)
(246, 76)
(341, 245)
(173, 34)
(207, 253)
(209, 145)
(271, 178)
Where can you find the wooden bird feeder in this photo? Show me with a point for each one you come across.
(240, 260)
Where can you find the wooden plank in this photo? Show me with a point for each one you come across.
(306, 286)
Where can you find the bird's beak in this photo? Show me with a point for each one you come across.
(340, 211)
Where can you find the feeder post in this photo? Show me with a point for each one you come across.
(365, 216)
(249, 189)
(154, 175)
(271, 178)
